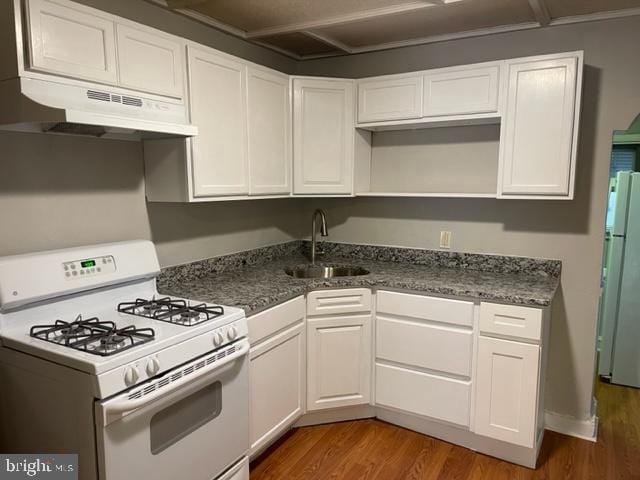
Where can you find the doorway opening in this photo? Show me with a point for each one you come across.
(619, 313)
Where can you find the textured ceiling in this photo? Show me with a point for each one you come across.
(438, 20)
(313, 28)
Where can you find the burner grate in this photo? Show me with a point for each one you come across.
(178, 312)
(92, 335)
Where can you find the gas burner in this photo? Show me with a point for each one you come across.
(92, 335)
(178, 312)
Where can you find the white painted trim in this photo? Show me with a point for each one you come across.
(448, 36)
(593, 17)
(329, 41)
(340, 19)
(568, 425)
(282, 51)
(540, 11)
(333, 415)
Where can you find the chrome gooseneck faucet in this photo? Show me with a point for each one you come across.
(324, 231)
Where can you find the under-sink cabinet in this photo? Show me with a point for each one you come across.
(339, 348)
(468, 372)
(277, 371)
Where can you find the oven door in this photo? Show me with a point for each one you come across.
(191, 422)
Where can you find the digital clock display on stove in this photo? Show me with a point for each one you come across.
(88, 263)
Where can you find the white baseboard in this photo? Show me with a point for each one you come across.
(567, 425)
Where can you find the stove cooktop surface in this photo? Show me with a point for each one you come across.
(106, 329)
(93, 335)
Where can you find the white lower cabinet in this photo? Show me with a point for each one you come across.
(507, 386)
(339, 361)
(421, 393)
(277, 372)
(465, 372)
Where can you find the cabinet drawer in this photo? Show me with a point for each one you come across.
(391, 99)
(511, 321)
(461, 91)
(456, 312)
(334, 302)
(433, 347)
(423, 394)
(268, 322)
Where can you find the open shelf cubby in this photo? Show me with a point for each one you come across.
(456, 162)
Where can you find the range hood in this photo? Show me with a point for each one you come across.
(51, 104)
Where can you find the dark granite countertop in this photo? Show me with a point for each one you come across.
(256, 280)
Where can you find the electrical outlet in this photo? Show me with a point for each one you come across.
(445, 239)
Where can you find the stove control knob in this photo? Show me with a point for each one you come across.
(232, 333)
(153, 367)
(218, 339)
(131, 376)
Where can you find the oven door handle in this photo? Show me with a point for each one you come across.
(120, 407)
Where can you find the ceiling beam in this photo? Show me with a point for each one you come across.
(176, 4)
(541, 12)
(595, 17)
(341, 19)
(202, 18)
(329, 41)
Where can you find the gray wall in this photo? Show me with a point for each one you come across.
(59, 191)
(570, 231)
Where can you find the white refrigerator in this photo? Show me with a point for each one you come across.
(620, 312)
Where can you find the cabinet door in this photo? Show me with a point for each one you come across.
(277, 385)
(399, 98)
(339, 361)
(537, 135)
(68, 39)
(461, 91)
(218, 108)
(150, 62)
(269, 117)
(323, 136)
(507, 390)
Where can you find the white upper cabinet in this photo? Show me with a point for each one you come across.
(68, 39)
(461, 91)
(218, 107)
(397, 98)
(323, 136)
(540, 126)
(150, 62)
(269, 117)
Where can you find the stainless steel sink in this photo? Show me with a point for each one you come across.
(327, 271)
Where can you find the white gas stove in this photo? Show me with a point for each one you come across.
(86, 326)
